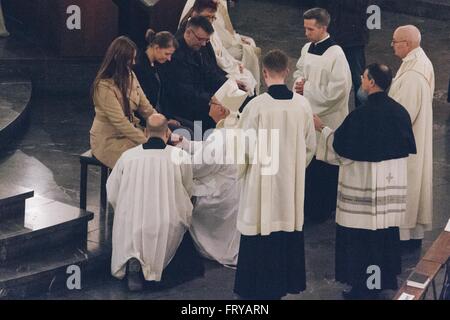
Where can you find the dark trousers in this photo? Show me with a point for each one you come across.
(356, 58)
(321, 184)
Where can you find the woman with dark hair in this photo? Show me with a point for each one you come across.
(117, 95)
(160, 48)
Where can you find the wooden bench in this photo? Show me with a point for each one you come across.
(87, 159)
(436, 258)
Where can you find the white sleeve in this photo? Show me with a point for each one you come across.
(113, 183)
(300, 72)
(310, 137)
(325, 150)
(187, 177)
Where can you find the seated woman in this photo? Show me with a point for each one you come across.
(117, 95)
(159, 50)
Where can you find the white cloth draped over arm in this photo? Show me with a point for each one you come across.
(325, 150)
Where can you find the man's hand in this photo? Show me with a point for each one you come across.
(245, 40)
(318, 124)
(175, 139)
(174, 123)
(299, 86)
(241, 85)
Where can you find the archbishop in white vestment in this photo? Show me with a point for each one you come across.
(413, 87)
(150, 194)
(216, 188)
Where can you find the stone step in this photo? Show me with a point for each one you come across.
(40, 273)
(12, 202)
(47, 225)
(15, 97)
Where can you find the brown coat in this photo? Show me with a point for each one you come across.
(112, 133)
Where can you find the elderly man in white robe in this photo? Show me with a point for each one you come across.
(413, 87)
(371, 147)
(323, 77)
(271, 260)
(150, 194)
(241, 48)
(216, 188)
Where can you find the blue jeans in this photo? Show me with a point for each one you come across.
(356, 58)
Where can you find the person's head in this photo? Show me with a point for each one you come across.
(157, 127)
(377, 77)
(117, 64)
(275, 67)
(316, 22)
(161, 45)
(205, 8)
(198, 32)
(405, 40)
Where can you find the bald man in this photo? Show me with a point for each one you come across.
(150, 194)
(413, 88)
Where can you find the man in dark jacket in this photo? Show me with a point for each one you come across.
(348, 28)
(194, 78)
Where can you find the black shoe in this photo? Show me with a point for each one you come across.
(411, 245)
(134, 275)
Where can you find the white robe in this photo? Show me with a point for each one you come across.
(272, 196)
(247, 54)
(413, 88)
(371, 195)
(328, 83)
(150, 195)
(231, 66)
(216, 187)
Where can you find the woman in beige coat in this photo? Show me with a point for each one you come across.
(117, 95)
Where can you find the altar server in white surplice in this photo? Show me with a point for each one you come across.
(413, 87)
(323, 77)
(371, 147)
(150, 194)
(271, 259)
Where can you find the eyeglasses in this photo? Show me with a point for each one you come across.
(397, 41)
(200, 38)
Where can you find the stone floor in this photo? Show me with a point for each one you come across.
(45, 158)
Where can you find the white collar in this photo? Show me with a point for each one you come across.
(324, 39)
(413, 54)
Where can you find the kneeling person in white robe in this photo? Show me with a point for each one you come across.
(371, 147)
(216, 188)
(150, 194)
